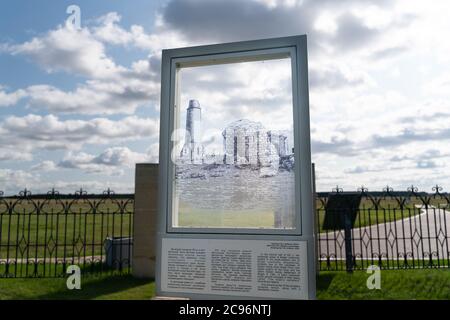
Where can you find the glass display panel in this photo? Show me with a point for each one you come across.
(233, 153)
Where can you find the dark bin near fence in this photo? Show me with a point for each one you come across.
(340, 213)
(339, 207)
(118, 252)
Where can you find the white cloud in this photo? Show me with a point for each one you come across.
(11, 98)
(332, 77)
(439, 86)
(34, 132)
(326, 23)
(120, 156)
(70, 50)
(12, 181)
(86, 162)
(110, 88)
(110, 162)
(109, 31)
(153, 153)
(44, 166)
(12, 154)
(95, 97)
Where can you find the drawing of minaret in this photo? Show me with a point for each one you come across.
(193, 150)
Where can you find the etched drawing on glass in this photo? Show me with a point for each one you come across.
(234, 150)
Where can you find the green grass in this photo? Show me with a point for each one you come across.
(98, 288)
(395, 284)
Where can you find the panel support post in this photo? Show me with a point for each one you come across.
(144, 224)
(348, 242)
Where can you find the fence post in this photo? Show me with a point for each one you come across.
(144, 224)
(348, 241)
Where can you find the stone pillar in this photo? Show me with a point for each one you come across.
(145, 212)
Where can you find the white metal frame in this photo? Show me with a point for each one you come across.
(257, 50)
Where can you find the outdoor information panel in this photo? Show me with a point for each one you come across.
(236, 217)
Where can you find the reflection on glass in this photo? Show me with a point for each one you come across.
(234, 162)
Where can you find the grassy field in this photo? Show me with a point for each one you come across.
(395, 284)
(386, 210)
(68, 228)
(82, 226)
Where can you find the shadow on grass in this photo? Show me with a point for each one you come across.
(323, 281)
(92, 288)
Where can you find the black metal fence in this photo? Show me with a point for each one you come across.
(394, 230)
(41, 235)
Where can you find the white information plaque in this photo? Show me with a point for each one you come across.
(236, 217)
(248, 268)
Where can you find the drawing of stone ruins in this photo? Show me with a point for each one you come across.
(246, 144)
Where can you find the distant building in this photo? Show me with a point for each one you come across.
(248, 142)
(280, 141)
(193, 149)
(245, 142)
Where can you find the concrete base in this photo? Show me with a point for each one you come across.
(145, 212)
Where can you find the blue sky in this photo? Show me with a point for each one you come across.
(22, 21)
(78, 108)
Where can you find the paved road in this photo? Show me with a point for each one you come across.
(416, 237)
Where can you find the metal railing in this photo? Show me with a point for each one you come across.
(393, 230)
(41, 235)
